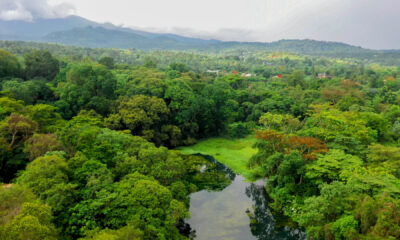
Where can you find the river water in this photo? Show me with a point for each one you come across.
(238, 212)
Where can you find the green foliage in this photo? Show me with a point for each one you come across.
(145, 81)
(23, 217)
(12, 197)
(31, 92)
(379, 217)
(41, 64)
(39, 144)
(326, 142)
(345, 228)
(342, 130)
(16, 129)
(125, 233)
(46, 117)
(296, 78)
(238, 130)
(43, 174)
(143, 116)
(334, 166)
(86, 86)
(318, 212)
(385, 157)
(8, 106)
(108, 62)
(33, 222)
(9, 65)
(280, 122)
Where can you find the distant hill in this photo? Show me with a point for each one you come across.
(77, 31)
(41, 27)
(100, 37)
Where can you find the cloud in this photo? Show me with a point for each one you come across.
(368, 23)
(29, 10)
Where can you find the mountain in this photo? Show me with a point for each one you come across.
(74, 30)
(101, 37)
(39, 28)
(77, 31)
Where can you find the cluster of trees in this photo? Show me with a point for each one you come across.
(86, 141)
(223, 55)
(335, 170)
(85, 180)
(79, 158)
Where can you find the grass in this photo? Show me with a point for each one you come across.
(234, 153)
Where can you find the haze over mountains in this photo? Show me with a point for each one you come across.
(78, 31)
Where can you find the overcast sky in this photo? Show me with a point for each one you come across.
(368, 23)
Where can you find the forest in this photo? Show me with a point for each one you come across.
(89, 139)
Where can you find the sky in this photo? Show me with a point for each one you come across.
(368, 23)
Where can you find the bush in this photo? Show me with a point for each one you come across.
(238, 130)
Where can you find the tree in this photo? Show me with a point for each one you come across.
(307, 146)
(87, 86)
(126, 233)
(280, 122)
(296, 78)
(342, 130)
(30, 92)
(17, 129)
(9, 65)
(39, 144)
(145, 81)
(46, 117)
(318, 213)
(184, 107)
(10, 105)
(180, 67)
(217, 108)
(34, 222)
(14, 131)
(142, 115)
(44, 173)
(385, 157)
(107, 61)
(12, 197)
(379, 217)
(332, 94)
(333, 166)
(41, 64)
(23, 216)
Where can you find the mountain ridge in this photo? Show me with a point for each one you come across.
(77, 31)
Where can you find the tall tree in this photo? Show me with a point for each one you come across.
(41, 64)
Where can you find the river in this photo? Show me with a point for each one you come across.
(238, 212)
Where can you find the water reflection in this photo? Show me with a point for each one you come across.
(264, 225)
(239, 211)
(220, 167)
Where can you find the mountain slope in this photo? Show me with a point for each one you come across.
(74, 30)
(77, 31)
(100, 37)
(41, 27)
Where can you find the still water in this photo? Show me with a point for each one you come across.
(227, 214)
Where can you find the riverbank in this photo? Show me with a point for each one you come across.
(234, 153)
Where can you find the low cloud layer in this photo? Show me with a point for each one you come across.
(29, 10)
(367, 23)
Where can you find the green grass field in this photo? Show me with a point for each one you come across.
(234, 153)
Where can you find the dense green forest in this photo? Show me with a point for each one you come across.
(88, 139)
(223, 56)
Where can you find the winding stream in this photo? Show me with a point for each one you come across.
(238, 212)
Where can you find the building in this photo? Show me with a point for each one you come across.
(322, 75)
